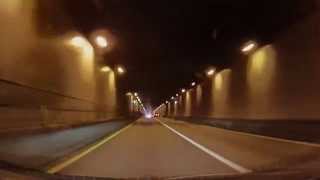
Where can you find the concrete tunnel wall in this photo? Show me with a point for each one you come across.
(277, 81)
(45, 81)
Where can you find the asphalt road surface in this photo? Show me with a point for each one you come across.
(166, 148)
(38, 150)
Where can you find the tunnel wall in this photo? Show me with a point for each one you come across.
(278, 81)
(47, 81)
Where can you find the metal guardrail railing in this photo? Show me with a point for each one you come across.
(45, 116)
(46, 110)
(50, 92)
(13, 106)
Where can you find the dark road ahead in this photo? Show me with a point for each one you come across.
(166, 148)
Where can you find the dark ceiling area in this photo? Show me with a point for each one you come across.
(164, 44)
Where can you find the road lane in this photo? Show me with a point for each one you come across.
(211, 153)
(38, 150)
(254, 152)
(147, 149)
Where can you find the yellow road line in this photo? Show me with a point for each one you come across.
(60, 165)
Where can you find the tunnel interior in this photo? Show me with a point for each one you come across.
(227, 77)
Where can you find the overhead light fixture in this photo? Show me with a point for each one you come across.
(120, 70)
(193, 84)
(128, 94)
(79, 41)
(105, 69)
(183, 90)
(210, 71)
(249, 47)
(101, 41)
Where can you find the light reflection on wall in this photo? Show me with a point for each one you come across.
(83, 60)
(221, 92)
(83, 46)
(85, 53)
(169, 108)
(180, 99)
(261, 70)
(187, 103)
(111, 91)
(130, 102)
(198, 95)
(175, 108)
(180, 107)
(135, 106)
(218, 82)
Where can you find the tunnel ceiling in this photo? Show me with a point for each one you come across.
(166, 44)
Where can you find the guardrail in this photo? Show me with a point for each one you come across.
(43, 90)
(23, 106)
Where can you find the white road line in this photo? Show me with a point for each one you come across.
(229, 163)
(258, 136)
